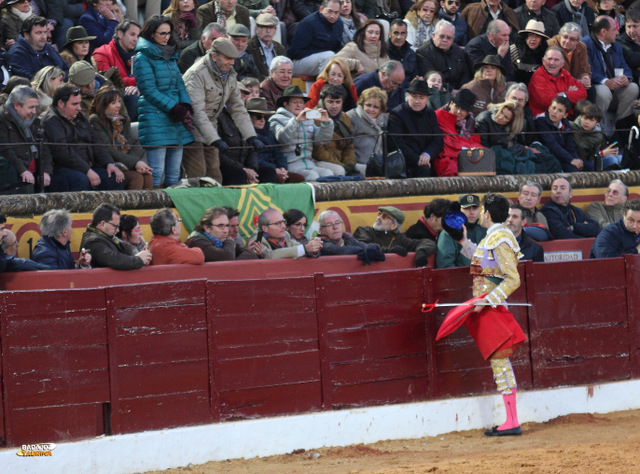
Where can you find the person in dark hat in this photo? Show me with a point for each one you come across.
(77, 46)
(413, 129)
(297, 129)
(212, 86)
(457, 124)
(244, 64)
(488, 83)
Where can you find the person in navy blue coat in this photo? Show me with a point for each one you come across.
(567, 221)
(52, 249)
(389, 77)
(32, 52)
(99, 21)
(621, 237)
(317, 39)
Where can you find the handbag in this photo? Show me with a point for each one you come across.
(396, 166)
(476, 162)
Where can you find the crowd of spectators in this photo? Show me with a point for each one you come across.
(137, 95)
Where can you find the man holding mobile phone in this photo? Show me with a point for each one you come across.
(276, 241)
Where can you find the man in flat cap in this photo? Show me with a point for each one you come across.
(448, 254)
(262, 46)
(211, 84)
(244, 65)
(386, 233)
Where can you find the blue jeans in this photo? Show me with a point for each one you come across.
(165, 162)
(66, 179)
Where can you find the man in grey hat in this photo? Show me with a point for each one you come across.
(448, 254)
(211, 84)
(262, 46)
(386, 233)
(244, 65)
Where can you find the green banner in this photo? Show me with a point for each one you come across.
(251, 201)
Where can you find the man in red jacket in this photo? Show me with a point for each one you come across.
(551, 80)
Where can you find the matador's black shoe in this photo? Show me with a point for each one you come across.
(510, 432)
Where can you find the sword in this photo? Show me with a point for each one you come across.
(426, 308)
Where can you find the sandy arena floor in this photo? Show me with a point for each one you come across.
(570, 444)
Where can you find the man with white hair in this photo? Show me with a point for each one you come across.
(610, 211)
(335, 241)
(52, 249)
(262, 46)
(280, 77)
(494, 42)
(195, 51)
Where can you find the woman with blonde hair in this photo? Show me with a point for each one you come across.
(335, 72)
(367, 123)
(421, 21)
(187, 29)
(45, 83)
(488, 83)
(368, 50)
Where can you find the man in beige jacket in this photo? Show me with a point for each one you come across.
(211, 84)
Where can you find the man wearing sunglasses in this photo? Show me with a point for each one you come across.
(449, 10)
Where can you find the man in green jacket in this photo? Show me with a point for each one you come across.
(448, 254)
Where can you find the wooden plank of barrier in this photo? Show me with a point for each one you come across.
(375, 346)
(158, 355)
(265, 335)
(55, 370)
(632, 266)
(578, 322)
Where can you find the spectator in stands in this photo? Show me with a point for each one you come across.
(551, 80)
(630, 40)
(262, 46)
(368, 50)
(399, 49)
(276, 241)
(78, 164)
(119, 52)
(389, 77)
(100, 20)
(351, 20)
(519, 93)
(528, 50)
(317, 38)
(18, 131)
(234, 224)
(565, 220)
(335, 241)
(335, 72)
(244, 64)
(296, 223)
(45, 83)
(12, 83)
(576, 60)
(31, 51)
(449, 11)
(430, 224)
(10, 246)
(198, 49)
(591, 143)
(448, 254)
(77, 46)
(442, 55)
(229, 13)
(367, 122)
(256, 7)
(480, 15)
(211, 84)
(416, 131)
(621, 237)
(495, 42)
(131, 232)
(612, 77)
(528, 247)
(615, 197)
(386, 233)
(420, 22)
(165, 111)
(113, 130)
(84, 76)
(165, 246)
(187, 28)
(280, 76)
(575, 11)
(107, 250)
(52, 249)
(340, 150)
(211, 235)
(488, 83)
(535, 10)
(14, 12)
(529, 198)
(297, 134)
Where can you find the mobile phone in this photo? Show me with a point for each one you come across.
(259, 235)
(313, 114)
(614, 143)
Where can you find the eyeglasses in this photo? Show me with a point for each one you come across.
(569, 38)
(115, 226)
(163, 33)
(278, 223)
(332, 224)
(220, 226)
(259, 116)
(178, 222)
(453, 2)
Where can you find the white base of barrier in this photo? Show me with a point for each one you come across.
(155, 450)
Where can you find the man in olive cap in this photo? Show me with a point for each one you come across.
(448, 249)
(262, 46)
(212, 84)
(244, 64)
(84, 76)
(386, 233)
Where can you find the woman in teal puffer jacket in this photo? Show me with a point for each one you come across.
(164, 109)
